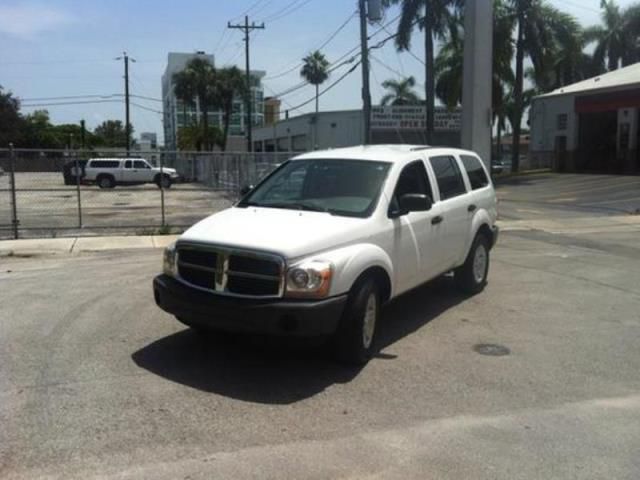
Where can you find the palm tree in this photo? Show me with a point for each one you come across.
(532, 39)
(203, 76)
(315, 70)
(435, 21)
(617, 39)
(231, 84)
(183, 89)
(400, 92)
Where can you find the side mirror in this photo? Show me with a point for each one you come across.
(415, 202)
(246, 189)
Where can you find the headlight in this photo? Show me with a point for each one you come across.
(309, 280)
(169, 260)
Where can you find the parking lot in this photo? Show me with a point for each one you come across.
(536, 377)
(47, 207)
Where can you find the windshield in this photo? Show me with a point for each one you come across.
(335, 186)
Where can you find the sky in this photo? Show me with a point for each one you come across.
(60, 48)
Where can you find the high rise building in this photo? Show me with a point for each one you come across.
(174, 113)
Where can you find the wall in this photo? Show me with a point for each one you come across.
(545, 129)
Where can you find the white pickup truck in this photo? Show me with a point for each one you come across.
(319, 244)
(109, 172)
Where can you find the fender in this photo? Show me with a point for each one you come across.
(481, 217)
(351, 261)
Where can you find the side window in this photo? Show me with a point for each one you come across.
(412, 179)
(139, 164)
(475, 172)
(127, 164)
(448, 175)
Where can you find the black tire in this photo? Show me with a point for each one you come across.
(471, 278)
(350, 340)
(106, 181)
(166, 181)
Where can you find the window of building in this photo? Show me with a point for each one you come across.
(475, 172)
(563, 119)
(448, 176)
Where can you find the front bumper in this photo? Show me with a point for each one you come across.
(275, 317)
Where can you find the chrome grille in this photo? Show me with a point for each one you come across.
(231, 271)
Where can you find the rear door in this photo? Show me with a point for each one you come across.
(453, 204)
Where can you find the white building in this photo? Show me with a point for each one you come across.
(589, 126)
(174, 113)
(344, 128)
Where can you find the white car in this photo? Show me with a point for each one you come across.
(109, 172)
(328, 237)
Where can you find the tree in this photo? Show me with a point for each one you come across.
(435, 21)
(203, 77)
(401, 92)
(617, 39)
(111, 133)
(315, 70)
(230, 84)
(184, 90)
(11, 123)
(532, 38)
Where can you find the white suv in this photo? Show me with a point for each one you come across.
(329, 236)
(109, 172)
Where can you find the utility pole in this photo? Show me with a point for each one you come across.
(364, 58)
(127, 125)
(83, 130)
(249, 98)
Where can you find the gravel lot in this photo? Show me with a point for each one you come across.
(96, 381)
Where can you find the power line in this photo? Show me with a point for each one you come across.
(342, 77)
(324, 44)
(287, 10)
(146, 108)
(79, 102)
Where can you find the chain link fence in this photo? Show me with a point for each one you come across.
(41, 195)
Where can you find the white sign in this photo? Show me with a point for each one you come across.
(412, 117)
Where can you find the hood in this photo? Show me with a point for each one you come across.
(290, 233)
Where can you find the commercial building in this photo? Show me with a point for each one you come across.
(589, 126)
(174, 111)
(344, 128)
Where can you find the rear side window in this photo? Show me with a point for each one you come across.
(105, 164)
(448, 175)
(475, 172)
(127, 164)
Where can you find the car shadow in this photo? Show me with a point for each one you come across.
(282, 370)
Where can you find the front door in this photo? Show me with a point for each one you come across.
(141, 172)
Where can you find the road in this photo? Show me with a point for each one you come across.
(96, 382)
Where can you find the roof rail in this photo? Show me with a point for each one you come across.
(422, 147)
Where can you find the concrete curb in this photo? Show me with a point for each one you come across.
(73, 245)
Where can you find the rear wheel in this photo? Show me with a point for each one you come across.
(106, 181)
(471, 277)
(163, 181)
(355, 339)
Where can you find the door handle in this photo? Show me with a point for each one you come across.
(436, 220)
(471, 208)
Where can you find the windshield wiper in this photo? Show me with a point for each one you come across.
(288, 205)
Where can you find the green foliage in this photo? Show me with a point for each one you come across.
(11, 123)
(315, 68)
(111, 133)
(230, 84)
(400, 92)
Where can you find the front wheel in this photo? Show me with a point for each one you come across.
(471, 277)
(355, 338)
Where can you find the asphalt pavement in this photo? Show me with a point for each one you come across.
(536, 377)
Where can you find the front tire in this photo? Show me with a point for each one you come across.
(471, 277)
(355, 339)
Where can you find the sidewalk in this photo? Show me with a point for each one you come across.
(72, 245)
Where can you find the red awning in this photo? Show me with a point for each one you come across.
(606, 102)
